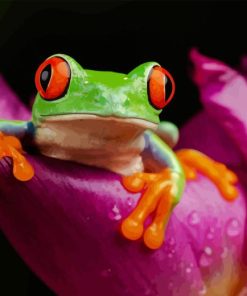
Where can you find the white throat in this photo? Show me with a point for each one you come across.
(107, 142)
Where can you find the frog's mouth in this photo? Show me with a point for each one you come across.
(98, 126)
(90, 131)
(85, 116)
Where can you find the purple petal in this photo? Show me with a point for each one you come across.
(223, 94)
(65, 232)
(205, 134)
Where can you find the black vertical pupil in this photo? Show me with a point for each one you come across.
(45, 77)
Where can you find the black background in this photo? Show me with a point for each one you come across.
(115, 36)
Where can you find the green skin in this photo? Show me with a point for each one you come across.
(108, 95)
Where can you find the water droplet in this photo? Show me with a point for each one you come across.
(115, 209)
(171, 241)
(208, 251)
(118, 217)
(210, 236)
(170, 286)
(211, 229)
(129, 201)
(233, 227)
(211, 232)
(188, 270)
(193, 218)
(205, 260)
(147, 293)
(203, 291)
(115, 214)
(106, 272)
(224, 253)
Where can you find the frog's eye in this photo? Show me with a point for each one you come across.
(52, 78)
(157, 80)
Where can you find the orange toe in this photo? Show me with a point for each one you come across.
(132, 229)
(10, 146)
(133, 183)
(154, 237)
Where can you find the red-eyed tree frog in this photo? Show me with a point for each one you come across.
(111, 120)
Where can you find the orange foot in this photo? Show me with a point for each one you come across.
(160, 194)
(10, 146)
(194, 161)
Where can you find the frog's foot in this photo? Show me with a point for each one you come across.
(160, 194)
(193, 161)
(10, 146)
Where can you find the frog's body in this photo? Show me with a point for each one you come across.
(111, 120)
(100, 121)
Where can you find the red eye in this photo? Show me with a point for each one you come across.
(52, 78)
(156, 87)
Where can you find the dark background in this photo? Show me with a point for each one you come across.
(115, 36)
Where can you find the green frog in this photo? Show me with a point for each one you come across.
(111, 120)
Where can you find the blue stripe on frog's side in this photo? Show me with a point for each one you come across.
(20, 129)
(165, 156)
(161, 152)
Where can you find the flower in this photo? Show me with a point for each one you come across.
(64, 222)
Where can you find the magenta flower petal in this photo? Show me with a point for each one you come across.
(65, 226)
(64, 223)
(223, 94)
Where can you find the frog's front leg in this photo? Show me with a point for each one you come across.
(193, 161)
(162, 191)
(10, 146)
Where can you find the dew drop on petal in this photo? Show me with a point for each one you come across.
(224, 253)
(117, 217)
(170, 286)
(208, 251)
(106, 272)
(188, 270)
(233, 227)
(210, 236)
(171, 241)
(129, 201)
(115, 209)
(211, 229)
(211, 232)
(115, 214)
(205, 260)
(193, 218)
(202, 291)
(147, 293)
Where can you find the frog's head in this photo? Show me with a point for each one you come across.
(66, 89)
